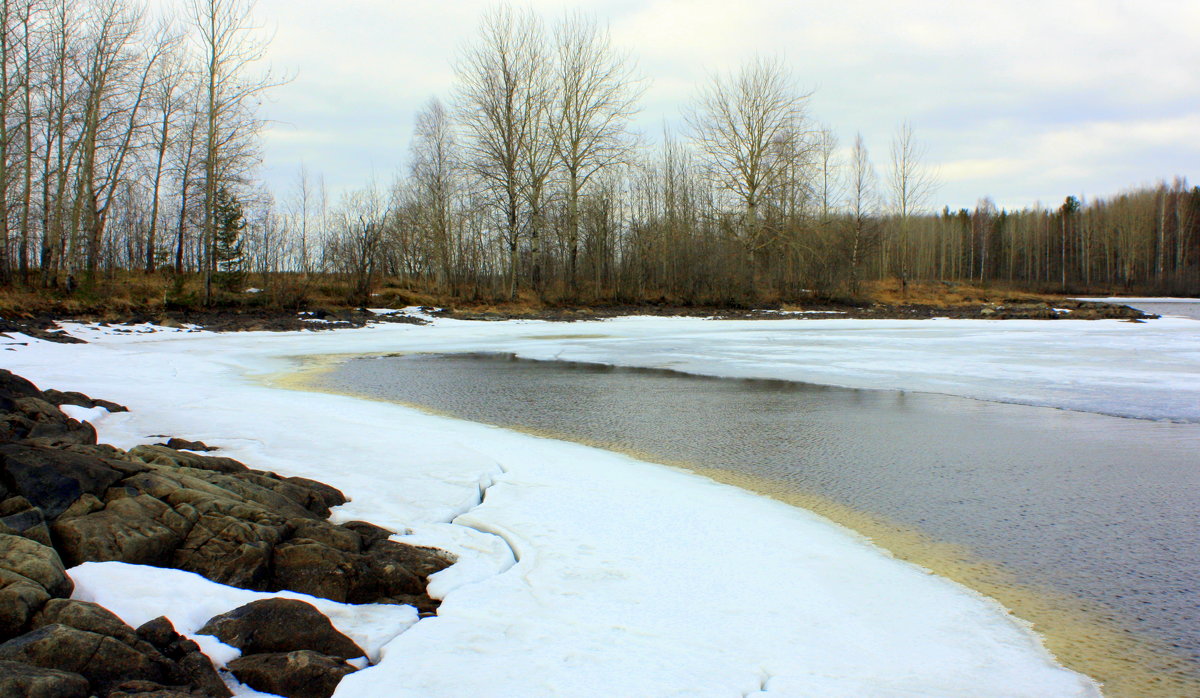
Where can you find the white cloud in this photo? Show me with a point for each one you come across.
(1023, 100)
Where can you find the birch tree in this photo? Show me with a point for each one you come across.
(434, 173)
(500, 80)
(737, 120)
(230, 45)
(911, 185)
(597, 97)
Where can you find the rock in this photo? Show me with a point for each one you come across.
(94, 618)
(327, 495)
(337, 537)
(300, 674)
(148, 689)
(139, 530)
(230, 549)
(20, 599)
(19, 679)
(191, 667)
(100, 659)
(39, 419)
(317, 569)
(14, 386)
(52, 479)
(386, 572)
(60, 398)
(159, 632)
(35, 562)
(280, 625)
(185, 445)
(369, 532)
(162, 455)
(264, 489)
(20, 517)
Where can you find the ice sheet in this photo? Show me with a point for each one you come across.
(588, 573)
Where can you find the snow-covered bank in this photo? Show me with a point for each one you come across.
(584, 572)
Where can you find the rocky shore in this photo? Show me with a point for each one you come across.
(66, 499)
(45, 326)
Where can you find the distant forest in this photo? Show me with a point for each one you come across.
(129, 142)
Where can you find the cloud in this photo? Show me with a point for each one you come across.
(1023, 100)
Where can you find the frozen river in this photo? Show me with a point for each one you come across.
(1076, 514)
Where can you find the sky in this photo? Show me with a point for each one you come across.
(1021, 101)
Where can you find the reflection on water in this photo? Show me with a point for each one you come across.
(1097, 509)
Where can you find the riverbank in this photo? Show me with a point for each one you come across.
(569, 572)
(199, 521)
(144, 299)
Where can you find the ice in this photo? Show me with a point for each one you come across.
(585, 572)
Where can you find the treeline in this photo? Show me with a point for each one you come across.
(122, 127)
(128, 143)
(1146, 239)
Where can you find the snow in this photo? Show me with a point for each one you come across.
(138, 594)
(1131, 300)
(584, 572)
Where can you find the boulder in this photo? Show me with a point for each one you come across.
(149, 689)
(13, 386)
(162, 455)
(369, 532)
(190, 667)
(18, 516)
(102, 660)
(140, 530)
(93, 618)
(52, 479)
(35, 562)
(337, 537)
(317, 569)
(280, 625)
(185, 445)
(321, 498)
(20, 599)
(299, 674)
(386, 572)
(48, 423)
(266, 490)
(231, 549)
(60, 398)
(20, 679)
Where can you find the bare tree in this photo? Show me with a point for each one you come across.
(434, 172)
(597, 97)
(863, 205)
(115, 78)
(301, 212)
(231, 44)
(737, 121)
(501, 79)
(829, 183)
(911, 185)
(167, 100)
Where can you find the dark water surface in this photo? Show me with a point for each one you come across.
(1100, 509)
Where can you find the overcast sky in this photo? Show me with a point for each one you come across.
(1023, 101)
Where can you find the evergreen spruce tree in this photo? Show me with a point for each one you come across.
(227, 241)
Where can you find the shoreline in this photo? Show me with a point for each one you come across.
(49, 325)
(1082, 638)
(497, 514)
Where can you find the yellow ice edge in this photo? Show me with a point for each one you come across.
(1082, 637)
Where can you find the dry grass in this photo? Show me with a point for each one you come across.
(940, 294)
(129, 293)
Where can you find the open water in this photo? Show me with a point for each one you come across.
(1098, 514)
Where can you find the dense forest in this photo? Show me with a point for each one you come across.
(129, 142)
